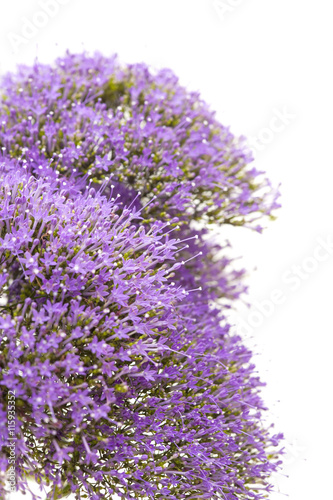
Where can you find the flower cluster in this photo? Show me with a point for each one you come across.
(127, 378)
(91, 115)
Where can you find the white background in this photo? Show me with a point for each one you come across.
(250, 59)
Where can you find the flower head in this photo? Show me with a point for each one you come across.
(112, 333)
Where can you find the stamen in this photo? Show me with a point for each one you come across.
(191, 258)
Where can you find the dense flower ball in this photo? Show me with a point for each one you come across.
(94, 116)
(127, 378)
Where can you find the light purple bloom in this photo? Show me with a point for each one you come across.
(112, 324)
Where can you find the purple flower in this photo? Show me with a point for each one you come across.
(113, 328)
